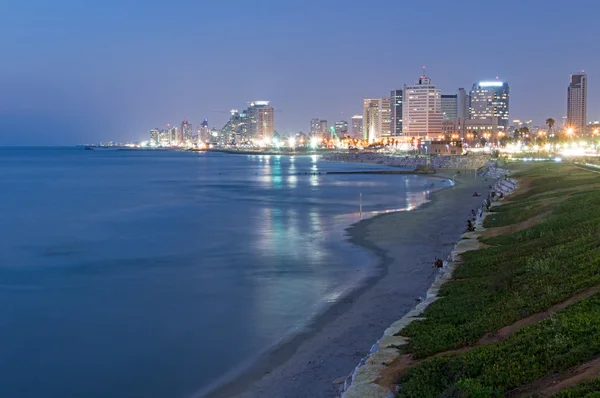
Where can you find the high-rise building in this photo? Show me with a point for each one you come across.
(341, 128)
(357, 126)
(175, 137)
(421, 112)
(377, 118)
(155, 136)
(449, 103)
(315, 127)
(371, 126)
(323, 129)
(462, 104)
(186, 131)
(261, 120)
(237, 129)
(204, 131)
(577, 103)
(490, 99)
(396, 109)
(385, 116)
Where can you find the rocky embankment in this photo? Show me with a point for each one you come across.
(465, 162)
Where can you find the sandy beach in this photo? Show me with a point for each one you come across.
(316, 363)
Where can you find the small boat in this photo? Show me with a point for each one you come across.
(88, 148)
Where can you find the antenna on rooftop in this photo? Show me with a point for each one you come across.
(424, 70)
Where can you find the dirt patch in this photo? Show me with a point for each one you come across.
(507, 229)
(551, 385)
(523, 185)
(395, 370)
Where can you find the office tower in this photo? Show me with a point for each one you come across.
(164, 137)
(377, 118)
(174, 134)
(371, 126)
(155, 136)
(577, 103)
(490, 99)
(186, 131)
(204, 131)
(323, 128)
(449, 103)
(357, 126)
(396, 108)
(237, 128)
(260, 119)
(315, 127)
(341, 128)
(462, 103)
(421, 112)
(385, 117)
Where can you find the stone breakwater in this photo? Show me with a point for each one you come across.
(466, 162)
(369, 378)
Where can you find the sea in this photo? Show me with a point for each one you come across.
(160, 273)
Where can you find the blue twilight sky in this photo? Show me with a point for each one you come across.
(80, 71)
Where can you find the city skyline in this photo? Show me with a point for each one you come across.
(71, 80)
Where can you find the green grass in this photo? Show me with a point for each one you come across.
(521, 274)
(587, 389)
(568, 338)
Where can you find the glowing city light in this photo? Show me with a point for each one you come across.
(490, 84)
(314, 142)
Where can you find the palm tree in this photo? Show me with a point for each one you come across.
(550, 123)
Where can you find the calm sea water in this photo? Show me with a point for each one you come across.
(153, 274)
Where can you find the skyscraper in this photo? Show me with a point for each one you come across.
(315, 127)
(357, 126)
(449, 104)
(490, 99)
(323, 129)
(235, 130)
(261, 120)
(175, 135)
(371, 126)
(204, 131)
(385, 116)
(155, 136)
(186, 131)
(377, 118)
(341, 128)
(577, 102)
(421, 112)
(396, 109)
(462, 103)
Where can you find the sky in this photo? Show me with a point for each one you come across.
(76, 72)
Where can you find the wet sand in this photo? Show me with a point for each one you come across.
(315, 363)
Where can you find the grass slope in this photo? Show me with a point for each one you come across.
(521, 274)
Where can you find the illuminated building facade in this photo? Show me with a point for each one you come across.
(357, 126)
(315, 127)
(449, 103)
(186, 131)
(261, 120)
(421, 112)
(577, 103)
(490, 99)
(396, 112)
(341, 128)
(377, 118)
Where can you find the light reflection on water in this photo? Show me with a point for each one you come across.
(162, 260)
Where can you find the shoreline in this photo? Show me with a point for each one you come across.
(308, 363)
